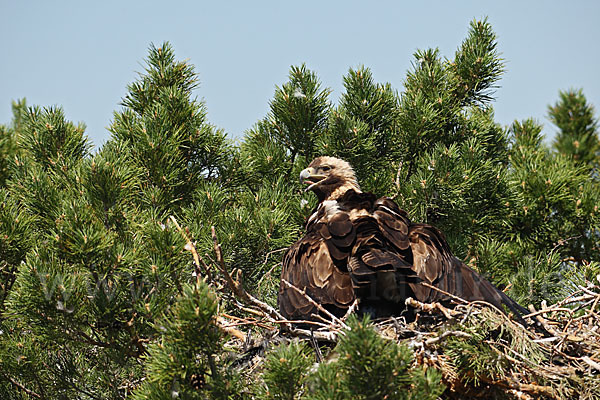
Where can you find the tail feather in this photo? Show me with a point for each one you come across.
(502, 301)
(469, 285)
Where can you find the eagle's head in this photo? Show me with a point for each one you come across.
(329, 178)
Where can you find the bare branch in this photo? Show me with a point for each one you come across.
(446, 334)
(315, 304)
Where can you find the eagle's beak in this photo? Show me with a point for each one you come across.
(310, 177)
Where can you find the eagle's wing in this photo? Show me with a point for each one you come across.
(309, 265)
(434, 264)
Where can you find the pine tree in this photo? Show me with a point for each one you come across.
(165, 130)
(8, 140)
(299, 112)
(43, 177)
(453, 170)
(578, 128)
(94, 261)
(551, 222)
(183, 363)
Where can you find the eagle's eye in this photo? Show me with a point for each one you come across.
(325, 168)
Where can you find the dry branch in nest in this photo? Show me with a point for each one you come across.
(480, 351)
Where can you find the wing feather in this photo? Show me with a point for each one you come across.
(320, 264)
(435, 264)
(340, 225)
(393, 223)
(308, 265)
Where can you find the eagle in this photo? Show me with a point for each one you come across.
(358, 247)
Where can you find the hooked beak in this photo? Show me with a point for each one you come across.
(310, 177)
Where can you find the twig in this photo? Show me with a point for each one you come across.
(591, 362)
(206, 267)
(23, 388)
(430, 307)
(246, 322)
(444, 335)
(350, 310)
(189, 245)
(315, 346)
(238, 290)
(453, 297)
(326, 336)
(315, 304)
(265, 263)
(236, 287)
(592, 312)
(269, 312)
(303, 322)
(578, 299)
(258, 313)
(222, 324)
(267, 274)
(548, 310)
(519, 395)
(538, 390)
(468, 313)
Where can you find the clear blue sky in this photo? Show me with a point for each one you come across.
(82, 54)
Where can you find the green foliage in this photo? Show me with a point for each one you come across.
(165, 130)
(475, 356)
(452, 171)
(263, 156)
(374, 367)
(51, 141)
(363, 365)
(112, 185)
(91, 263)
(548, 190)
(373, 104)
(371, 367)
(262, 221)
(183, 363)
(578, 128)
(362, 130)
(581, 275)
(8, 140)
(477, 65)
(549, 216)
(286, 370)
(254, 228)
(555, 199)
(299, 111)
(16, 231)
(539, 279)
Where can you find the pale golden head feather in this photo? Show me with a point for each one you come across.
(329, 177)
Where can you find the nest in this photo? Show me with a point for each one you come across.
(480, 351)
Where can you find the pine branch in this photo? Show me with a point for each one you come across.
(21, 387)
(235, 286)
(449, 314)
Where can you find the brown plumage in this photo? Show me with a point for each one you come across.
(359, 247)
